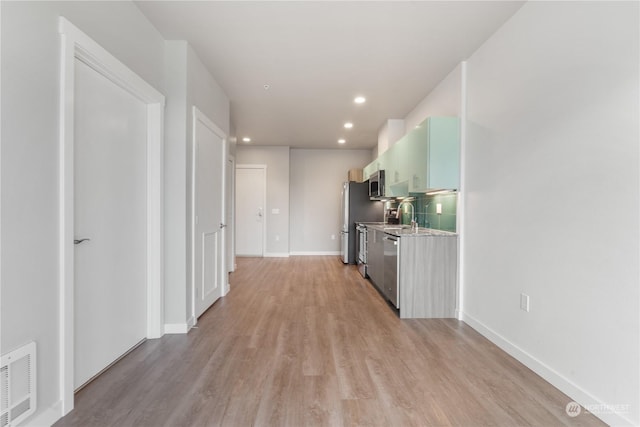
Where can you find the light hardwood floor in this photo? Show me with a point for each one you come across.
(306, 341)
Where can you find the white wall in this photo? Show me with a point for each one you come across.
(443, 100)
(316, 183)
(305, 185)
(389, 134)
(552, 206)
(551, 194)
(188, 83)
(277, 161)
(30, 95)
(175, 184)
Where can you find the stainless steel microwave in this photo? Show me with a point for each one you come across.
(376, 184)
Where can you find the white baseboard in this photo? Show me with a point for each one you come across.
(177, 328)
(46, 418)
(191, 323)
(276, 255)
(316, 253)
(579, 395)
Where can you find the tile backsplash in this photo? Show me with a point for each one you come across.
(425, 211)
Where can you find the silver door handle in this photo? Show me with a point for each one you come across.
(78, 241)
(259, 213)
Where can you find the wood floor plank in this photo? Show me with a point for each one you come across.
(322, 404)
(306, 341)
(365, 412)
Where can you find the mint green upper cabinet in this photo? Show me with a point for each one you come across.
(434, 155)
(427, 158)
(368, 170)
(397, 177)
(388, 163)
(372, 167)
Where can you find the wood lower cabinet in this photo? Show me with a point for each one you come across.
(428, 276)
(427, 266)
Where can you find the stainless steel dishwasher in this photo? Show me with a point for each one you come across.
(391, 268)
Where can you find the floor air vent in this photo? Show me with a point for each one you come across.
(18, 385)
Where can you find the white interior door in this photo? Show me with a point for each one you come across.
(210, 160)
(250, 209)
(110, 294)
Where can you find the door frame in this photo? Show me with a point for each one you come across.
(199, 116)
(231, 219)
(77, 45)
(264, 202)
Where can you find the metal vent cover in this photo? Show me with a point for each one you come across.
(18, 385)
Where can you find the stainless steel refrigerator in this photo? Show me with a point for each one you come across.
(356, 207)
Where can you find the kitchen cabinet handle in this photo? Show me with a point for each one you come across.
(78, 241)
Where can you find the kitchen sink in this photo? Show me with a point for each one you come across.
(398, 227)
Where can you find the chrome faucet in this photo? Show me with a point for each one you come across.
(414, 223)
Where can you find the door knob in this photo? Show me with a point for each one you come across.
(78, 241)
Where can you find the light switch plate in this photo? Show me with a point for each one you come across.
(275, 211)
(438, 208)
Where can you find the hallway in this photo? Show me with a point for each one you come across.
(305, 341)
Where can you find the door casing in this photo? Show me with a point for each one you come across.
(231, 214)
(77, 45)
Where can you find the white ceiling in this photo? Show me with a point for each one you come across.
(317, 56)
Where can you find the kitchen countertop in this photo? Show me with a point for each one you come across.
(405, 230)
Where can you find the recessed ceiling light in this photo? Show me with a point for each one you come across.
(266, 87)
(342, 141)
(360, 100)
(246, 139)
(348, 125)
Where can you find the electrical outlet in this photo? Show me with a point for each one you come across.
(333, 237)
(524, 302)
(439, 208)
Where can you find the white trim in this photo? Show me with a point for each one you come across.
(199, 116)
(264, 216)
(276, 255)
(48, 417)
(155, 218)
(191, 322)
(176, 328)
(315, 253)
(76, 44)
(231, 222)
(556, 379)
(462, 189)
